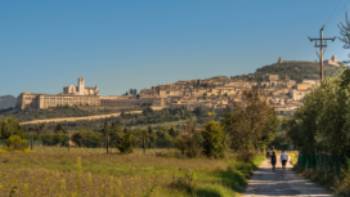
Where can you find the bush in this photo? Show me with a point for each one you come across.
(122, 139)
(89, 139)
(16, 142)
(213, 140)
(8, 127)
(190, 144)
(189, 141)
(164, 139)
(343, 188)
(185, 182)
(55, 139)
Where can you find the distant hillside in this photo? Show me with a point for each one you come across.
(7, 101)
(296, 70)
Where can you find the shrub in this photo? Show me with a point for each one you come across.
(16, 142)
(54, 139)
(164, 139)
(122, 139)
(343, 188)
(189, 141)
(185, 182)
(8, 127)
(87, 139)
(125, 144)
(190, 144)
(213, 140)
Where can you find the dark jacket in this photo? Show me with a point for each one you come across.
(273, 158)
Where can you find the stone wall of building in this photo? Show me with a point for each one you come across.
(51, 101)
(45, 101)
(129, 101)
(28, 100)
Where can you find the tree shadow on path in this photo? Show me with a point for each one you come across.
(266, 182)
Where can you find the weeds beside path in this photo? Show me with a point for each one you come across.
(90, 172)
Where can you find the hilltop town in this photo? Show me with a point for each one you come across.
(283, 85)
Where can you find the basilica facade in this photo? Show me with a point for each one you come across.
(72, 95)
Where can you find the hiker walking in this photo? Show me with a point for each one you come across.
(273, 160)
(284, 159)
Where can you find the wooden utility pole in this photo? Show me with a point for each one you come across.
(321, 44)
(31, 140)
(106, 130)
(107, 143)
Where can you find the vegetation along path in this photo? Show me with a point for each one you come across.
(266, 182)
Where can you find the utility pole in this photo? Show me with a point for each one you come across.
(31, 140)
(321, 44)
(107, 143)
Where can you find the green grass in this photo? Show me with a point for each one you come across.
(90, 172)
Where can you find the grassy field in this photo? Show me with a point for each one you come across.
(90, 172)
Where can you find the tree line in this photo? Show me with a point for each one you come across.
(244, 128)
(320, 129)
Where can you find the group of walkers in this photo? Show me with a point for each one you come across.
(273, 158)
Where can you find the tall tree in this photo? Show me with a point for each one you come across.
(322, 125)
(9, 126)
(189, 141)
(107, 135)
(345, 32)
(213, 140)
(251, 125)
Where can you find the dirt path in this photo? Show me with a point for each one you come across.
(268, 183)
(76, 119)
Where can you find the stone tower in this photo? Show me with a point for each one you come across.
(279, 60)
(81, 86)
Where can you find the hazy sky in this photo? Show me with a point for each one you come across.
(118, 45)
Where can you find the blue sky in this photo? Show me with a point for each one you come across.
(118, 45)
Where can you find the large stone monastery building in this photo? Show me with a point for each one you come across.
(79, 95)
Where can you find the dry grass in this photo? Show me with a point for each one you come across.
(90, 172)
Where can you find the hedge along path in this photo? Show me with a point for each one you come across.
(268, 183)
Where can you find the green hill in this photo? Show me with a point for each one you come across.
(296, 70)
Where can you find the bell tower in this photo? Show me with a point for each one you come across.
(81, 86)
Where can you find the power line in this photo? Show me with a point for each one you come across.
(321, 44)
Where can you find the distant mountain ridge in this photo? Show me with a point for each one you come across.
(7, 101)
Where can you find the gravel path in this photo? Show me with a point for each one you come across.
(266, 182)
